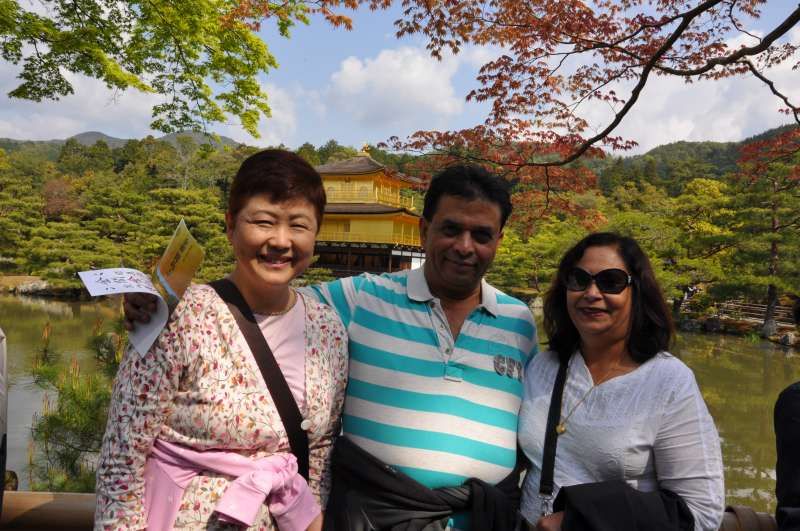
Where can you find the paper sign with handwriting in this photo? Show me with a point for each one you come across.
(123, 280)
(173, 275)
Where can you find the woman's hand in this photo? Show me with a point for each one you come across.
(316, 525)
(551, 522)
(138, 307)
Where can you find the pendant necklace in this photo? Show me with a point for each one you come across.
(561, 427)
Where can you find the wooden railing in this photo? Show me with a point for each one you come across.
(366, 237)
(47, 511)
(747, 311)
(369, 196)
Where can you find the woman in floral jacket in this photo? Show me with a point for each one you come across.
(199, 387)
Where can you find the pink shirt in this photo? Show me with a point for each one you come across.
(285, 335)
(273, 480)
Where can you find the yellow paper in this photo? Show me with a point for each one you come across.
(178, 264)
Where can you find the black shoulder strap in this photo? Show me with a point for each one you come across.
(546, 485)
(276, 383)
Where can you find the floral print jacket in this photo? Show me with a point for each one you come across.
(200, 386)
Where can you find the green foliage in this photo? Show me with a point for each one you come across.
(203, 61)
(513, 264)
(309, 153)
(91, 206)
(671, 166)
(766, 219)
(333, 151)
(67, 434)
(314, 275)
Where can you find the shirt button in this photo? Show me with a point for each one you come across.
(305, 425)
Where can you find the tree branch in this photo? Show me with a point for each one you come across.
(795, 109)
(742, 52)
(648, 67)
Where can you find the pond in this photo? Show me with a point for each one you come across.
(740, 380)
(23, 319)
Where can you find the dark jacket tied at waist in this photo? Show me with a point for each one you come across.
(369, 495)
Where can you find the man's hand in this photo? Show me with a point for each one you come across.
(138, 307)
(551, 522)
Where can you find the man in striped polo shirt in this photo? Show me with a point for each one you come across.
(437, 353)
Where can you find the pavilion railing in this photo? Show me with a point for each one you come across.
(369, 196)
(366, 237)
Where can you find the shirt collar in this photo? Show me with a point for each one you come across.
(419, 291)
(417, 286)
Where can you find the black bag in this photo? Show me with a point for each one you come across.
(370, 495)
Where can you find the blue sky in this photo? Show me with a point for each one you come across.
(365, 85)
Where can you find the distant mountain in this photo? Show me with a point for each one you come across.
(201, 138)
(667, 165)
(90, 138)
(769, 133)
(722, 156)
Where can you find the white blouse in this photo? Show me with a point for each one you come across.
(650, 427)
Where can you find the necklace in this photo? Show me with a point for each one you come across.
(561, 427)
(293, 301)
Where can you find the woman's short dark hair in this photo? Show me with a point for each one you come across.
(651, 328)
(280, 174)
(470, 182)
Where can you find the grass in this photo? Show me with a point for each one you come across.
(8, 282)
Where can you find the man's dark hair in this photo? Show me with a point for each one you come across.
(470, 182)
(651, 328)
(281, 175)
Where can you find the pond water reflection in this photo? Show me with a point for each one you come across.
(740, 380)
(23, 320)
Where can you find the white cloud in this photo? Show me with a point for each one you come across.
(92, 107)
(729, 109)
(278, 128)
(95, 107)
(477, 56)
(402, 87)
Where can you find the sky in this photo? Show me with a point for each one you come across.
(365, 85)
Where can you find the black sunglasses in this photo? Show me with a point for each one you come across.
(608, 280)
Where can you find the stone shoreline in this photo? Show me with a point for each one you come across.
(38, 287)
(787, 336)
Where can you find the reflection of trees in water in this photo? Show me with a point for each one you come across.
(740, 380)
(46, 305)
(22, 320)
(29, 313)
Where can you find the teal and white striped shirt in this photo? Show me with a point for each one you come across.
(438, 410)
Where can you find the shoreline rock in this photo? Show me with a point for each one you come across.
(785, 335)
(42, 288)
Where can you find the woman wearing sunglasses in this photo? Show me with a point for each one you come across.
(615, 427)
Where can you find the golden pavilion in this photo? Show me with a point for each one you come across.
(369, 225)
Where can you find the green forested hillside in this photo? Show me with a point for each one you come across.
(671, 166)
(706, 222)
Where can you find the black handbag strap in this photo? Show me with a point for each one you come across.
(546, 484)
(276, 383)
